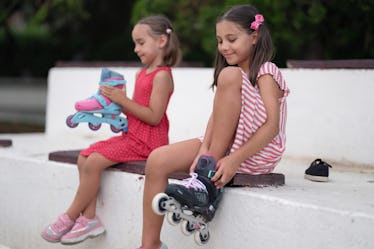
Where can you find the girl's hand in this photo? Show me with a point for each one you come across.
(193, 166)
(203, 150)
(113, 93)
(226, 171)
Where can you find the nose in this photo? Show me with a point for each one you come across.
(136, 49)
(223, 46)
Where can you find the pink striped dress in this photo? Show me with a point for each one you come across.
(253, 116)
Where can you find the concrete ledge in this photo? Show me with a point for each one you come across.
(339, 212)
(137, 167)
(329, 64)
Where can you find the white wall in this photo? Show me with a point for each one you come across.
(330, 112)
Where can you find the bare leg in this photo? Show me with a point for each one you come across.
(89, 212)
(90, 170)
(226, 112)
(160, 164)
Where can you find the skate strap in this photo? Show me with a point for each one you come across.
(113, 82)
(193, 182)
(211, 173)
(100, 99)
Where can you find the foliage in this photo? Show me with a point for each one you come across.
(36, 34)
(192, 20)
(301, 29)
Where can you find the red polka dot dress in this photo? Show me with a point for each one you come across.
(141, 138)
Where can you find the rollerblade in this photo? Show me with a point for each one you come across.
(193, 203)
(99, 109)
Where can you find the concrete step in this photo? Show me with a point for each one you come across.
(300, 214)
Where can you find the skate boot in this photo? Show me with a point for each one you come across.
(193, 202)
(99, 109)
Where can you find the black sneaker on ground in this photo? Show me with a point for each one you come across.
(318, 171)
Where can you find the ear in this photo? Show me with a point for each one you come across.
(163, 40)
(254, 37)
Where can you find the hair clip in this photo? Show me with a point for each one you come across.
(259, 19)
(168, 31)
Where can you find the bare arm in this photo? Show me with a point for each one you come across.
(153, 113)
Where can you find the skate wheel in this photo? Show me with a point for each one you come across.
(187, 228)
(201, 238)
(158, 203)
(173, 218)
(70, 123)
(94, 127)
(114, 129)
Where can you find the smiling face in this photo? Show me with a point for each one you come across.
(234, 43)
(149, 48)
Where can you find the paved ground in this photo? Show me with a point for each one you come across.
(23, 103)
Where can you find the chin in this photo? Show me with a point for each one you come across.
(232, 63)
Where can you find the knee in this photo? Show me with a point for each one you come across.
(155, 163)
(90, 165)
(81, 161)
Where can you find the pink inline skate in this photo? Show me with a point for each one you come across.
(98, 109)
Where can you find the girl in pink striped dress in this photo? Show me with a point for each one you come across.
(246, 130)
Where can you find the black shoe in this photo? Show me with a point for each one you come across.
(318, 171)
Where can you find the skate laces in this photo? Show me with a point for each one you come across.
(193, 182)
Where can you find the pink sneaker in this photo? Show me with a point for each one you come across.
(84, 228)
(59, 228)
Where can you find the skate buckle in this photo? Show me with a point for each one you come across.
(211, 173)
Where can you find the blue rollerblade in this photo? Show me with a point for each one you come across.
(193, 203)
(98, 109)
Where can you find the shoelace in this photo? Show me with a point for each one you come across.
(193, 182)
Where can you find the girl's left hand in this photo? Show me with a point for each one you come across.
(113, 93)
(226, 171)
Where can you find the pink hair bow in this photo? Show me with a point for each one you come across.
(259, 19)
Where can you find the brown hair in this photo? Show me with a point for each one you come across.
(244, 15)
(161, 25)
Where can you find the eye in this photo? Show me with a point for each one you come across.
(231, 40)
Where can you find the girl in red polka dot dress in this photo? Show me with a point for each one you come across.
(157, 46)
